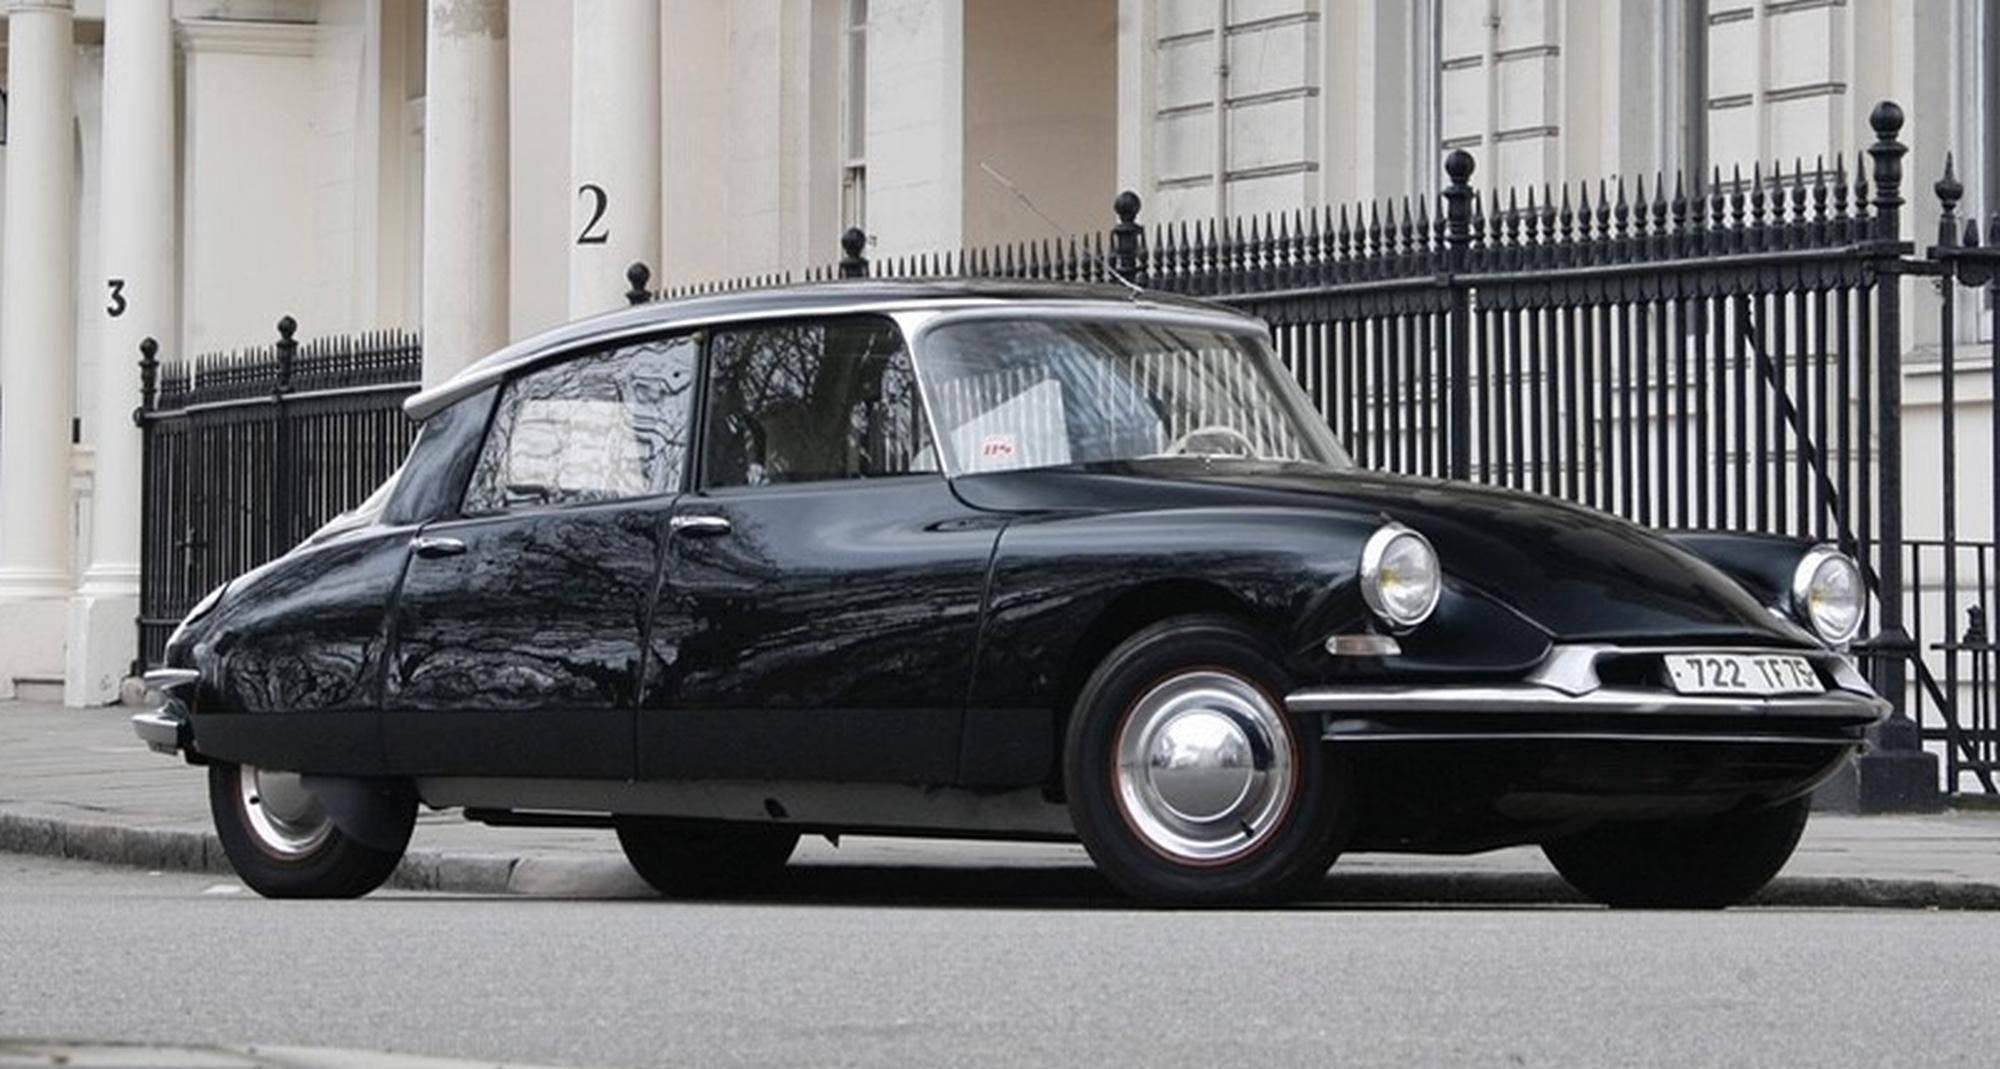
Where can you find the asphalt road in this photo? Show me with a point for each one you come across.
(935, 967)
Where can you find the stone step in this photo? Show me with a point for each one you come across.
(38, 689)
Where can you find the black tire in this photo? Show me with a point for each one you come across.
(1126, 821)
(1688, 864)
(699, 859)
(307, 857)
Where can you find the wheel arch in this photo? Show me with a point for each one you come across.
(1126, 615)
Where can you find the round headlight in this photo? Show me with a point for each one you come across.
(1828, 594)
(1400, 577)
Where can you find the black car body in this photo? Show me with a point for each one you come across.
(703, 570)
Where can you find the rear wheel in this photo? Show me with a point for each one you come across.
(1188, 781)
(281, 842)
(694, 859)
(1687, 864)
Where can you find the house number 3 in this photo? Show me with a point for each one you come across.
(117, 306)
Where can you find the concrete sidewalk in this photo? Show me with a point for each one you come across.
(78, 784)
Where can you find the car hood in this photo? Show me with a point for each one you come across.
(1579, 573)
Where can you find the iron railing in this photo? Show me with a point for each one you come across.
(247, 452)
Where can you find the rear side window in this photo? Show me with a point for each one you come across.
(806, 402)
(599, 427)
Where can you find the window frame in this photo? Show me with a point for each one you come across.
(584, 351)
(700, 481)
(918, 330)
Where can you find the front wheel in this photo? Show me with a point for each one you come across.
(1187, 780)
(1686, 864)
(281, 842)
(693, 859)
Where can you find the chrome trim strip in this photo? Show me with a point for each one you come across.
(1336, 732)
(1528, 698)
(160, 730)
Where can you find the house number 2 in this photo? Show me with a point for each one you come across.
(594, 232)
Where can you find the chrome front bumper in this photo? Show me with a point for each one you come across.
(1564, 700)
(165, 729)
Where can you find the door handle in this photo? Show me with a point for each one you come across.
(699, 526)
(433, 548)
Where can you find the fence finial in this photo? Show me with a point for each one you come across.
(1948, 189)
(288, 351)
(1887, 153)
(1128, 252)
(149, 378)
(852, 263)
(638, 276)
(1458, 198)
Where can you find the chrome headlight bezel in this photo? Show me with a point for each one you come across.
(1388, 542)
(1812, 592)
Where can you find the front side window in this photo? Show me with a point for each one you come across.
(600, 427)
(805, 402)
(1038, 393)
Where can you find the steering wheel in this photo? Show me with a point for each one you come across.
(1220, 430)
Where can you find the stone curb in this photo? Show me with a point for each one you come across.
(182, 850)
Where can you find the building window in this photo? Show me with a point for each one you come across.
(854, 118)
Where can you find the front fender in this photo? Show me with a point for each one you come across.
(1290, 573)
(1761, 563)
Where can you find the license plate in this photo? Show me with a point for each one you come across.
(1741, 673)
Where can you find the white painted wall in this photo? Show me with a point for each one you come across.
(695, 120)
(543, 199)
(916, 125)
(251, 187)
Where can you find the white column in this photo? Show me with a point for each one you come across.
(614, 161)
(37, 339)
(136, 243)
(465, 184)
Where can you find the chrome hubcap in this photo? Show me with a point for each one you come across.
(1204, 767)
(284, 817)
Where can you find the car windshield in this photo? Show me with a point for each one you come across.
(1007, 394)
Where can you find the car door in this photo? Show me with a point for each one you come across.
(521, 620)
(821, 601)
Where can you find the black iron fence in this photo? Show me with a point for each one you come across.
(1721, 351)
(248, 452)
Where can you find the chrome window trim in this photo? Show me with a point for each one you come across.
(656, 318)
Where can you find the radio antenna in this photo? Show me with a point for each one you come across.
(1102, 260)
